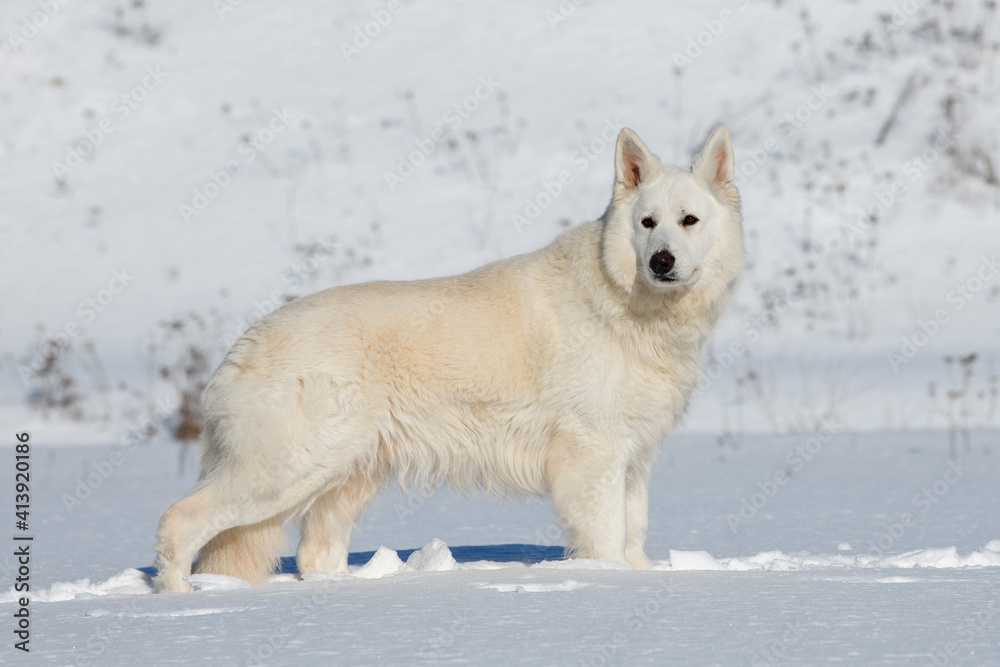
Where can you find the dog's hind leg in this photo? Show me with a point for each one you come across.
(218, 504)
(327, 524)
(184, 528)
(248, 552)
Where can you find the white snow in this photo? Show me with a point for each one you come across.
(714, 595)
(433, 557)
(767, 549)
(216, 582)
(386, 563)
(383, 563)
(693, 560)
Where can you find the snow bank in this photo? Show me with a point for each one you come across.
(435, 556)
(777, 561)
(127, 582)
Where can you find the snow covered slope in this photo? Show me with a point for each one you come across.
(163, 159)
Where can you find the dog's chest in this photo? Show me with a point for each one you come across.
(642, 384)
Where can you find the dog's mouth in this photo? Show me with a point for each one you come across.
(672, 279)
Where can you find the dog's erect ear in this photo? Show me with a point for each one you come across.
(715, 166)
(633, 161)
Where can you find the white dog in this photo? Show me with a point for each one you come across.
(558, 372)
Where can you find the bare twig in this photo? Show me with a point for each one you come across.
(904, 97)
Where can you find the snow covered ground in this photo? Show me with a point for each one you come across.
(170, 171)
(878, 549)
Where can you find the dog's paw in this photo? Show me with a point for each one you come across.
(639, 560)
(171, 583)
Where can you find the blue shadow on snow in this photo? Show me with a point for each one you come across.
(529, 554)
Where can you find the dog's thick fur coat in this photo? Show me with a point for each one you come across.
(558, 372)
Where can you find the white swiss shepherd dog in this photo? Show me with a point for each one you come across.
(557, 372)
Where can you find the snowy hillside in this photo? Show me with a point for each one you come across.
(254, 156)
(171, 171)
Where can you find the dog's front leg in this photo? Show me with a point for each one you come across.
(637, 511)
(588, 497)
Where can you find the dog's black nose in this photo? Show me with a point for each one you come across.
(661, 263)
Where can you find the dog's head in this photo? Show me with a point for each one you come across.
(670, 228)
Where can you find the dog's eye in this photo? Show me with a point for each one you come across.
(648, 222)
(689, 220)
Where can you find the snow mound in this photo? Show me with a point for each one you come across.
(384, 563)
(777, 561)
(127, 582)
(435, 556)
(693, 560)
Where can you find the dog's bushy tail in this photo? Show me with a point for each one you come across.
(247, 552)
